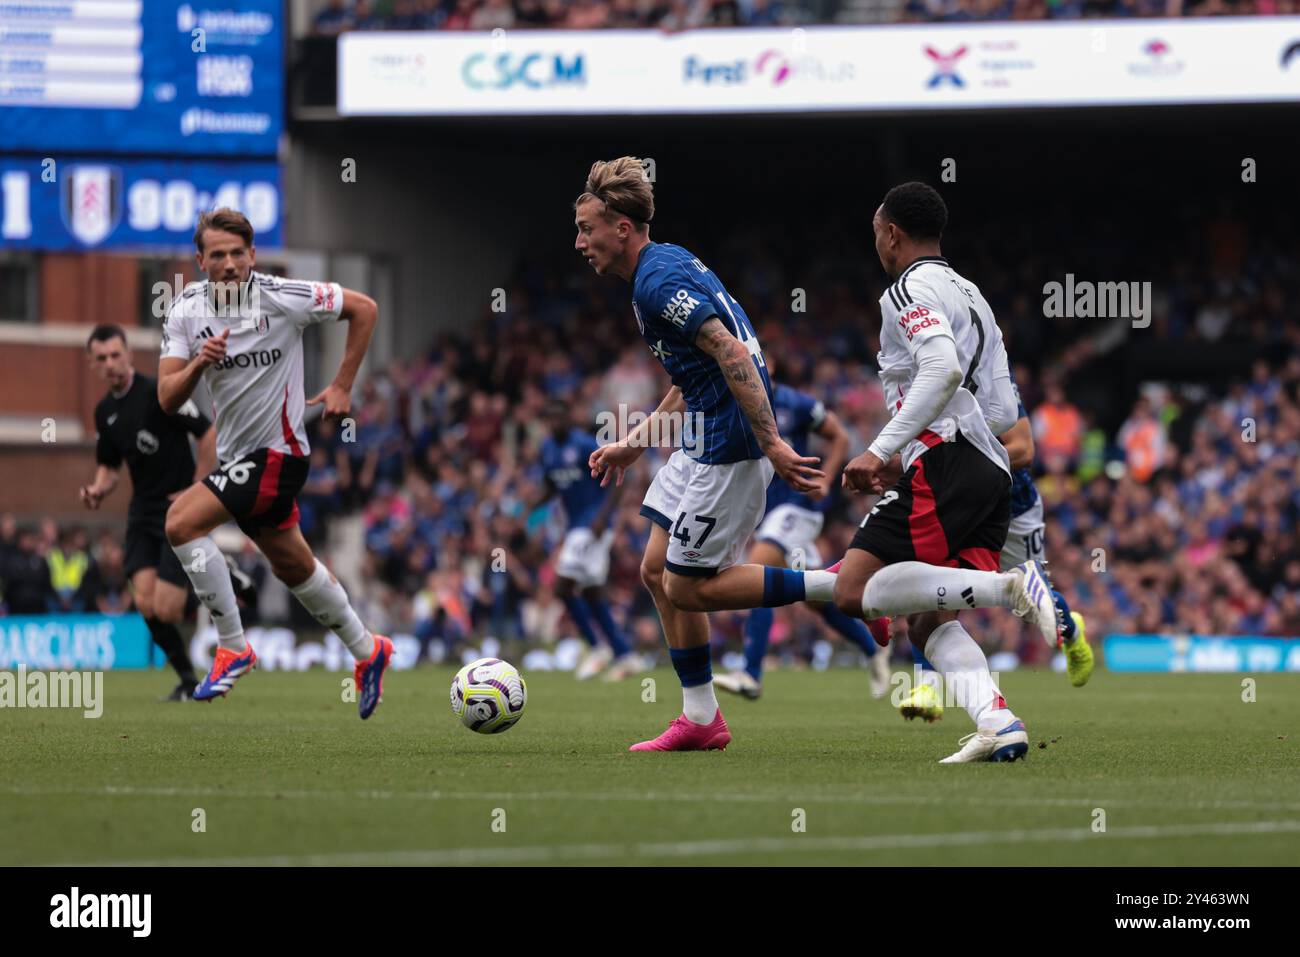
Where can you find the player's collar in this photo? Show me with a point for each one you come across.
(923, 259)
(639, 257)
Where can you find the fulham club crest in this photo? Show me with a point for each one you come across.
(92, 202)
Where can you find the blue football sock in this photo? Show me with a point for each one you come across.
(605, 618)
(854, 629)
(781, 586)
(581, 615)
(758, 631)
(1063, 615)
(919, 658)
(694, 666)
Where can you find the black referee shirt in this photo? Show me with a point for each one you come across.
(133, 427)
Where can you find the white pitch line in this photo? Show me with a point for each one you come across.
(655, 797)
(544, 854)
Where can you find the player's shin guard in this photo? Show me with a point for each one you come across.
(168, 638)
(694, 667)
(965, 670)
(782, 586)
(910, 587)
(206, 567)
(325, 599)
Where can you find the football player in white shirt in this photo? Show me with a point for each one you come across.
(932, 541)
(241, 332)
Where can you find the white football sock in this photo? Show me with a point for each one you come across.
(957, 656)
(324, 597)
(699, 703)
(910, 587)
(819, 586)
(207, 571)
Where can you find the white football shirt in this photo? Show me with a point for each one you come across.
(257, 389)
(930, 299)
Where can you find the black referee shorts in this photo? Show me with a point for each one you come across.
(147, 547)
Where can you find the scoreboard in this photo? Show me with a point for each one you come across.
(120, 120)
(128, 76)
(75, 203)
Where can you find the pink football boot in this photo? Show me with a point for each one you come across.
(684, 735)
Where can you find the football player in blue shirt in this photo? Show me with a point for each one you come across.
(583, 563)
(788, 536)
(708, 498)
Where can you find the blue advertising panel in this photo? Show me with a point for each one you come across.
(74, 642)
(1210, 653)
(129, 76)
(98, 203)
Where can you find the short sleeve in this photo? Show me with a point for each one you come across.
(192, 420)
(175, 340)
(916, 313)
(106, 451)
(678, 301)
(323, 304)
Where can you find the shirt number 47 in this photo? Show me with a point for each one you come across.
(683, 535)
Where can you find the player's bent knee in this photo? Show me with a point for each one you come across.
(652, 576)
(685, 593)
(848, 595)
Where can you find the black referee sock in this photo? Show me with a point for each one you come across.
(168, 637)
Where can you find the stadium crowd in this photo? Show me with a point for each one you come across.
(1172, 508)
(338, 16)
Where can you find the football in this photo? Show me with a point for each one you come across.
(488, 695)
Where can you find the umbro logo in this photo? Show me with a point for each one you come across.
(659, 350)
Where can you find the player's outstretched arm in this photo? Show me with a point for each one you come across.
(746, 385)
(609, 462)
(361, 313)
(1019, 441)
(106, 480)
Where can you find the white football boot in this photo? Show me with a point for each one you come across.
(1009, 744)
(1032, 600)
(594, 662)
(880, 673)
(739, 682)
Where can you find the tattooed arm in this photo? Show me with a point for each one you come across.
(746, 384)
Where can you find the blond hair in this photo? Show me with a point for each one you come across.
(624, 188)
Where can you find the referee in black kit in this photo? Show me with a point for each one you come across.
(132, 427)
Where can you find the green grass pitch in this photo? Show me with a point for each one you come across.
(1184, 770)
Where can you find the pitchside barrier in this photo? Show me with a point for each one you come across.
(1205, 653)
